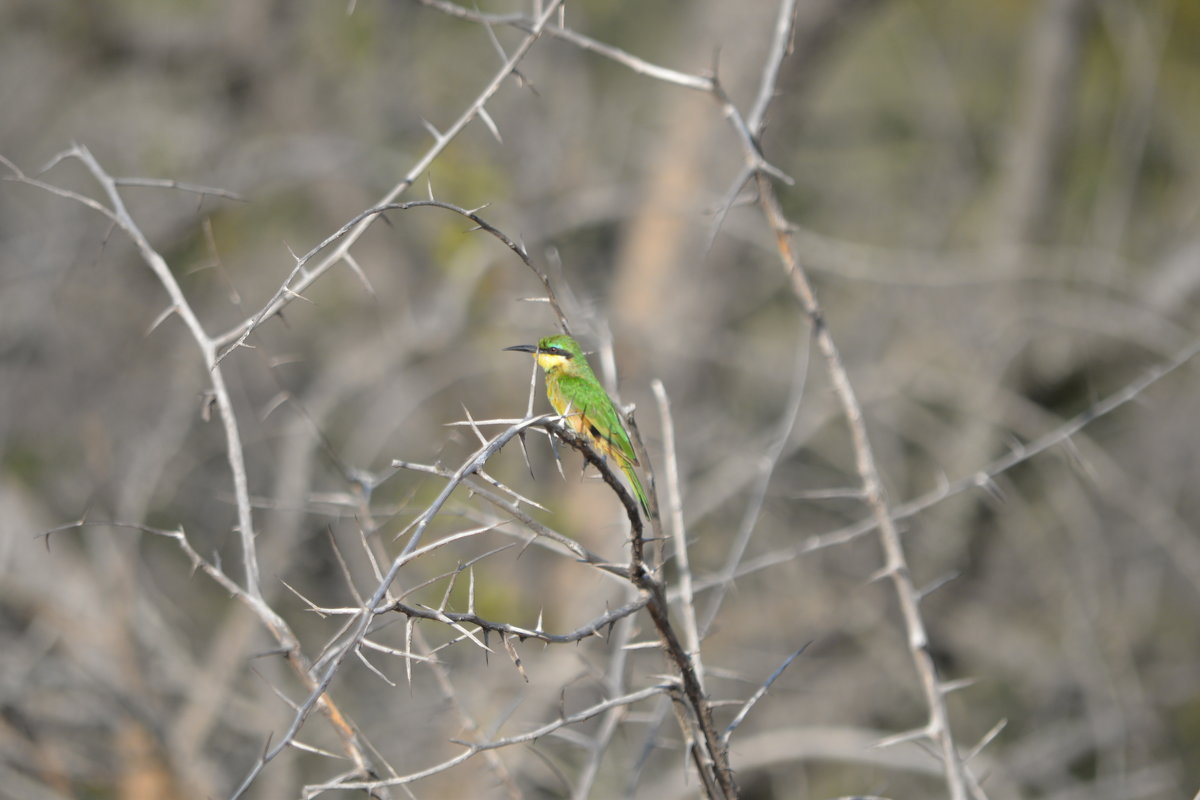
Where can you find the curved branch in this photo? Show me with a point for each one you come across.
(357, 228)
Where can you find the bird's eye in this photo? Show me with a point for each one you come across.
(558, 351)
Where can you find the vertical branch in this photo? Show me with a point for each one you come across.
(691, 705)
(781, 44)
(208, 350)
(249, 593)
(896, 564)
(765, 469)
(674, 520)
(896, 568)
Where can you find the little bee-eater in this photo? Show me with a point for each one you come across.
(580, 399)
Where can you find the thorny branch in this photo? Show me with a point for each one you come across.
(693, 709)
(474, 748)
(301, 277)
(983, 478)
(748, 130)
(937, 728)
(358, 630)
(708, 749)
(250, 592)
(210, 346)
(593, 628)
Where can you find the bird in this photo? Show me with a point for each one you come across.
(577, 396)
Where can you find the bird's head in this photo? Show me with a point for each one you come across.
(554, 353)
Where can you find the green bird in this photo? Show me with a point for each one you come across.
(579, 398)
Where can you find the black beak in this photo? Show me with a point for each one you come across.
(524, 348)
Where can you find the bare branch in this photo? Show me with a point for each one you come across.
(346, 239)
(984, 478)
(674, 502)
(638, 65)
(588, 630)
(475, 748)
(759, 694)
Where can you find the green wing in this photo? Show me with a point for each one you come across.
(603, 420)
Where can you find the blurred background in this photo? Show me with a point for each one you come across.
(998, 202)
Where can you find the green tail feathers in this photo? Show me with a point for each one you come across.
(637, 487)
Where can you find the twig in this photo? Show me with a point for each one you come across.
(579, 634)
(303, 276)
(614, 685)
(983, 478)
(692, 707)
(441, 141)
(524, 23)
(781, 44)
(118, 213)
(358, 629)
(474, 748)
(158, 183)
(758, 695)
(896, 565)
(674, 521)
(537, 528)
(766, 466)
